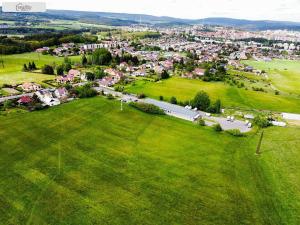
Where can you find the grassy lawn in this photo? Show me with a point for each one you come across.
(231, 96)
(13, 64)
(86, 162)
(284, 74)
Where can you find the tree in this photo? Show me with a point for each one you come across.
(29, 66)
(84, 60)
(25, 68)
(85, 91)
(101, 56)
(164, 75)
(99, 73)
(90, 76)
(33, 66)
(67, 67)
(216, 107)
(201, 101)
(47, 69)
(60, 70)
(261, 121)
(173, 100)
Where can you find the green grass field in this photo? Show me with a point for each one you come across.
(284, 74)
(231, 96)
(13, 64)
(87, 162)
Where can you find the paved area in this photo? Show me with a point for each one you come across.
(173, 110)
(291, 116)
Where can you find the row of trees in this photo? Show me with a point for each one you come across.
(103, 57)
(201, 101)
(31, 66)
(15, 45)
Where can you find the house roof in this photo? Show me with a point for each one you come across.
(25, 99)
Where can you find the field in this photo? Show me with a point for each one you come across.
(87, 162)
(284, 74)
(231, 96)
(13, 64)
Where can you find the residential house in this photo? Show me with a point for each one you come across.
(29, 86)
(46, 97)
(199, 72)
(25, 100)
(61, 93)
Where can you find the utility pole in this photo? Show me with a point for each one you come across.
(121, 104)
(259, 143)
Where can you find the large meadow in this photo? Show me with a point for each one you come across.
(87, 162)
(231, 96)
(11, 69)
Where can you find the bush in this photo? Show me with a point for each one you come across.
(215, 108)
(164, 75)
(119, 88)
(236, 133)
(201, 122)
(142, 95)
(47, 69)
(85, 91)
(148, 108)
(173, 100)
(217, 127)
(161, 98)
(261, 121)
(60, 70)
(90, 76)
(110, 97)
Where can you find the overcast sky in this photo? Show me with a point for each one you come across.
(195, 9)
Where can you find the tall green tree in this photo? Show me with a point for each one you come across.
(201, 101)
(101, 56)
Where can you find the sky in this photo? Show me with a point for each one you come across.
(284, 10)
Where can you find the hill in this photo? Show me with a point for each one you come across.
(123, 19)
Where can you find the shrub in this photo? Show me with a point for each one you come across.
(201, 122)
(47, 69)
(119, 88)
(215, 108)
(164, 75)
(161, 98)
(261, 121)
(85, 91)
(148, 108)
(110, 97)
(217, 127)
(277, 92)
(236, 133)
(142, 95)
(173, 100)
(60, 70)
